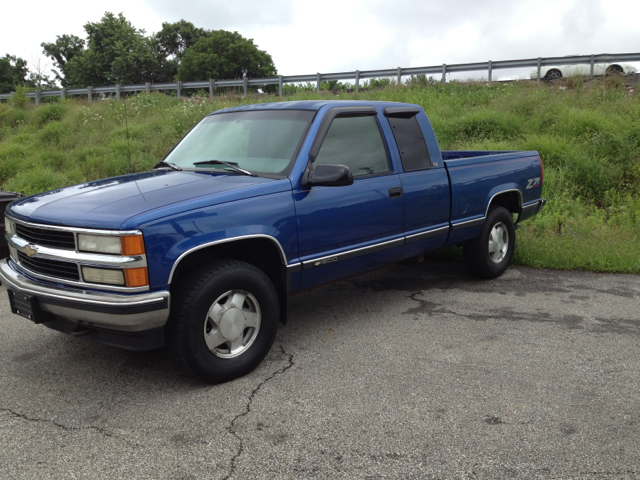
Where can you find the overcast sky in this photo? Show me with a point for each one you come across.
(306, 37)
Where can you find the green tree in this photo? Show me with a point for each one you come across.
(13, 71)
(221, 54)
(174, 38)
(116, 52)
(63, 50)
(170, 43)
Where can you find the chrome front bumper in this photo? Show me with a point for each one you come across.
(111, 311)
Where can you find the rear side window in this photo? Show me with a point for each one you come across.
(413, 149)
(357, 143)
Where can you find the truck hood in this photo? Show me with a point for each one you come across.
(109, 203)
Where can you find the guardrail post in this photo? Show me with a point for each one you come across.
(280, 84)
(318, 79)
(245, 82)
(37, 97)
(117, 91)
(90, 93)
(593, 58)
(357, 80)
(444, 74)
(63, 93)
(539, 67)
(212, 85)
(147, 87)
(399, 76)
(490, 70)
(178, 88)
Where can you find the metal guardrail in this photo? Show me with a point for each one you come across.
(356, 75)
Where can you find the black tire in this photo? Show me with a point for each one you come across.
(553, 74)
(614, 70)
(204, 311)
(489, 255)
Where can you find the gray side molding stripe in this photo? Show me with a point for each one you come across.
(425, 235)
(469, 223)
(317, 262)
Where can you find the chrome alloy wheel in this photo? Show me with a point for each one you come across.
(232, 324)
(498, 242)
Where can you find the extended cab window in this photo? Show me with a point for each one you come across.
(357, 143)
(413, 149)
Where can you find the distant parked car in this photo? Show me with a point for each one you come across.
(551, 73)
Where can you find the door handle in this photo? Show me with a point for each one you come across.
(395, 192)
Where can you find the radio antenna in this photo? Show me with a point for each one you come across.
(126, 127)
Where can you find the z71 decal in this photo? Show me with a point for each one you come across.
(533, 182)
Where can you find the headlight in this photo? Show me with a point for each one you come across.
(99, 244)
(103, 275)
(125, 245)
(9, 226)
(114, 245)
(13, 253)
(130, 277)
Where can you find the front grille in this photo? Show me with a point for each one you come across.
(47, 238)
(51, 268)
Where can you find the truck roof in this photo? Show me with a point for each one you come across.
(305, 105)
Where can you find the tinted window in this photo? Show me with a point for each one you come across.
(413, 149)
(355, 142)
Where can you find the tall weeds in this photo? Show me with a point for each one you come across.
(588, 136)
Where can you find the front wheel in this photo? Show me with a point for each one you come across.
(614, 70)
(224, 320)
(489, 255)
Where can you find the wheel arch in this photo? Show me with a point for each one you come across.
(262, 251)
(511, 199)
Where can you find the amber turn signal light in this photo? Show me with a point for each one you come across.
(132, 245)
(136, 277)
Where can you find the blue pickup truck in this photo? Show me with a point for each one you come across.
(254, 204)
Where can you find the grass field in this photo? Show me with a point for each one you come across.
(587, 133)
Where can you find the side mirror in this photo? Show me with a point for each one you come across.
(329, 175)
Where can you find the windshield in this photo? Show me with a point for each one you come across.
(258, 141)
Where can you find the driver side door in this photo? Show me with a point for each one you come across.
(349, 229)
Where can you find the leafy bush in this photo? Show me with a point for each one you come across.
(383, 82)
(19, 98)
(421, 81)
(48, 113)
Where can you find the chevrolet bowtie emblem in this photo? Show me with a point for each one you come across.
(29, 250)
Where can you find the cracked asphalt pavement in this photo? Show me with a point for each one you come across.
(408, 372)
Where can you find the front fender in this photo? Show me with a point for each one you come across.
(271, 216)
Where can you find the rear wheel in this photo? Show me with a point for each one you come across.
(224, 320)
(553, 74)
(489, 255)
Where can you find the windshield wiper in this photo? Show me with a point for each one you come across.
(172, 166)
(227, 164)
